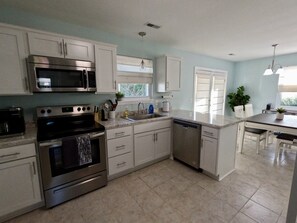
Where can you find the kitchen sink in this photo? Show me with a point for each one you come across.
(143, 116)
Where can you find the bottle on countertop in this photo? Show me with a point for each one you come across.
(126, 113)
(151, 109)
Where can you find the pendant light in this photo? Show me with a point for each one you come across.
(272, 69)
(142, 34)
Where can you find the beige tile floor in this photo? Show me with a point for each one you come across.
(169, 191)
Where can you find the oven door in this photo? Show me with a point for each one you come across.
(55, 172)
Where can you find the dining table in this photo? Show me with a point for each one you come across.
(286, 125)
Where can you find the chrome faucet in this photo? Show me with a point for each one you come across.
(140, 103)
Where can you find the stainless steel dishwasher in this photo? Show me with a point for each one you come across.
(186, 142)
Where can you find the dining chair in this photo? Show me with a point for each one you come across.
(284, 141)
(259, 134)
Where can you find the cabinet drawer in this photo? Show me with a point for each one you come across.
(119, 132)
(119, 146)
(17, 152)
(120, 163)
(210, 132)
(152, 126)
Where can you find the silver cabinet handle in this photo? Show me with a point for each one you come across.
(167, 84)
(120, 147)
(154, 139)
(11, 154)
(156, 136)
(115, 85)
(119, 165)
(119, 133)
(61, 48)
(65, 48)
(208, 133)
(34, 168)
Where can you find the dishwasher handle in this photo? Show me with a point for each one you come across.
(186, 124)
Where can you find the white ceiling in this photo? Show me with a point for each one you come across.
(216, 28)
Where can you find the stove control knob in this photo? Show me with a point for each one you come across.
(49, 111)
(88, 108)
(42, 111)
(78, 109)
(83, 108)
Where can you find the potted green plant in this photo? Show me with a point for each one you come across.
(238, 98)
(280, 113)
(119, 95)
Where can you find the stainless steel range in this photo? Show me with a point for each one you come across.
(72, 152)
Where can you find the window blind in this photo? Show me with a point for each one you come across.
(129, 70)
(288, 80)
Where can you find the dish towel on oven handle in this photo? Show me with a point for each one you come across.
(84, 149)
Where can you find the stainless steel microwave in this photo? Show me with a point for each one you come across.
(50, 74)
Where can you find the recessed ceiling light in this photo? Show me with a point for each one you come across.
(152, 25)
(231, 54)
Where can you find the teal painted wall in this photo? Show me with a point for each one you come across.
(262, 89)
(126, 46)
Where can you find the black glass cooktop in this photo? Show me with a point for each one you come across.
(58, 127)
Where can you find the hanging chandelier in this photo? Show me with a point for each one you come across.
(273, 68)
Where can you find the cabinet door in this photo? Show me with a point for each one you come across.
(45, 45)
(173, 74)
(105, 69)
(12, 62)
(19, 185)
(79, 50)
(208, 158)
(144, 147)
(162, 142)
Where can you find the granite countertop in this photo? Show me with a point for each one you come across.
(216, 121)
(28, 137)
(212, 120)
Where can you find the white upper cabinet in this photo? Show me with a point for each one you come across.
(105, 57)
(55, 46)
(168, 74)
(13, 75)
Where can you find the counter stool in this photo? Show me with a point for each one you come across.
(284, 141)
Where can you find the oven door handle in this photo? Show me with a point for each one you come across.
(96, 135)
(55, 143)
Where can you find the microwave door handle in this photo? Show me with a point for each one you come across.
(85, 79)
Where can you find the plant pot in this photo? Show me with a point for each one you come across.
(119, 99)
(280, 116)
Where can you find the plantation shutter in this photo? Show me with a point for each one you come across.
(210, 91)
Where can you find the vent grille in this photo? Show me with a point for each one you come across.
(152, 25)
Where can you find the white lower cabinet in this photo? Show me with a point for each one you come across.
(162, 143)
(152, 144)
(119, 150)
(144, 147)
(208, 158)
(218, 149)
(120, 163)
(20, 186)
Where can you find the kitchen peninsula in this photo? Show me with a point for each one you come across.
(218, 139)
